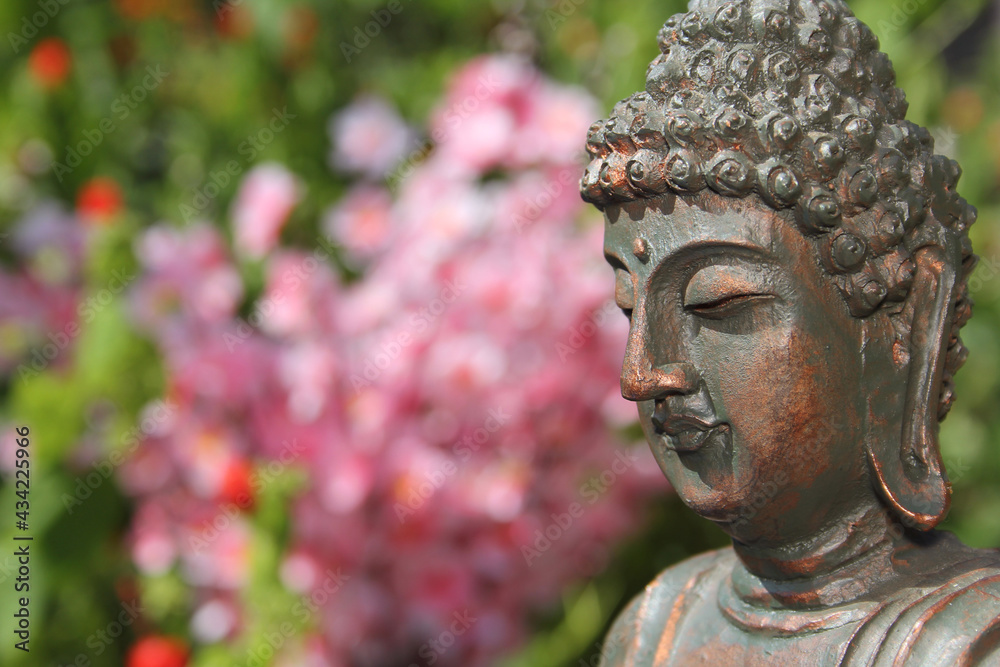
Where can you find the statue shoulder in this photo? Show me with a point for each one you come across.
(637, 630)
(955, 622)
(959, 623)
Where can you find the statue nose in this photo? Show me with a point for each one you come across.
(641, 381)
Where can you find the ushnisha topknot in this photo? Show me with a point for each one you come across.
(791, 101)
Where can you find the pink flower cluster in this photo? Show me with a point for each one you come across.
(452, 412)
(41, 308)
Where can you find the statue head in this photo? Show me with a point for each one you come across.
(793, 258)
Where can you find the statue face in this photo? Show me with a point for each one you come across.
(744, 361)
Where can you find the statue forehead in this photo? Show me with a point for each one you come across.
(644, 232)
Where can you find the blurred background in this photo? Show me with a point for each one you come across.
(315, 342)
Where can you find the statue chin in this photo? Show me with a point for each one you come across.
(793, 259)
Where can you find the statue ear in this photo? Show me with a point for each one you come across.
(912, 478)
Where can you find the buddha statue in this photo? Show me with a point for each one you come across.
(793, 260)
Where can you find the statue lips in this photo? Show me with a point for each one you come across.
(685, 433)
(690, 440)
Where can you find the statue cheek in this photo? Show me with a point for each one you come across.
(813, 406)
(754, 379)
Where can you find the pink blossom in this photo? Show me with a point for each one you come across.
(266, 198)
(153, 547)
(214, 621)
(218, 557)
(478, 139)
(429, 415)
(345, 483)
(147, 471)
(502, 80)
(40, 302)
(478, 121)
(555, 129)
(189, 284)
(298, 297)
(300, 572)
(369, 137)
(361, 221)
(307, 371)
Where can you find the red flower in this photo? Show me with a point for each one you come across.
(49, 62)
(236, 487)
(141, 10)
(301, 28)
(157, 652)
(233, 21)
(99, 200)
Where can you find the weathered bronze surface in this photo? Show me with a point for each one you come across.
(793, 259)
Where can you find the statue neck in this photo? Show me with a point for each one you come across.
(837, 566)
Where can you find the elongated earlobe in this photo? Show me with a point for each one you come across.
(909, 474)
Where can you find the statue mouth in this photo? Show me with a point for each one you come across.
(686, 433)
(690, 440)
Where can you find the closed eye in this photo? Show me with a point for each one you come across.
(727, 306)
